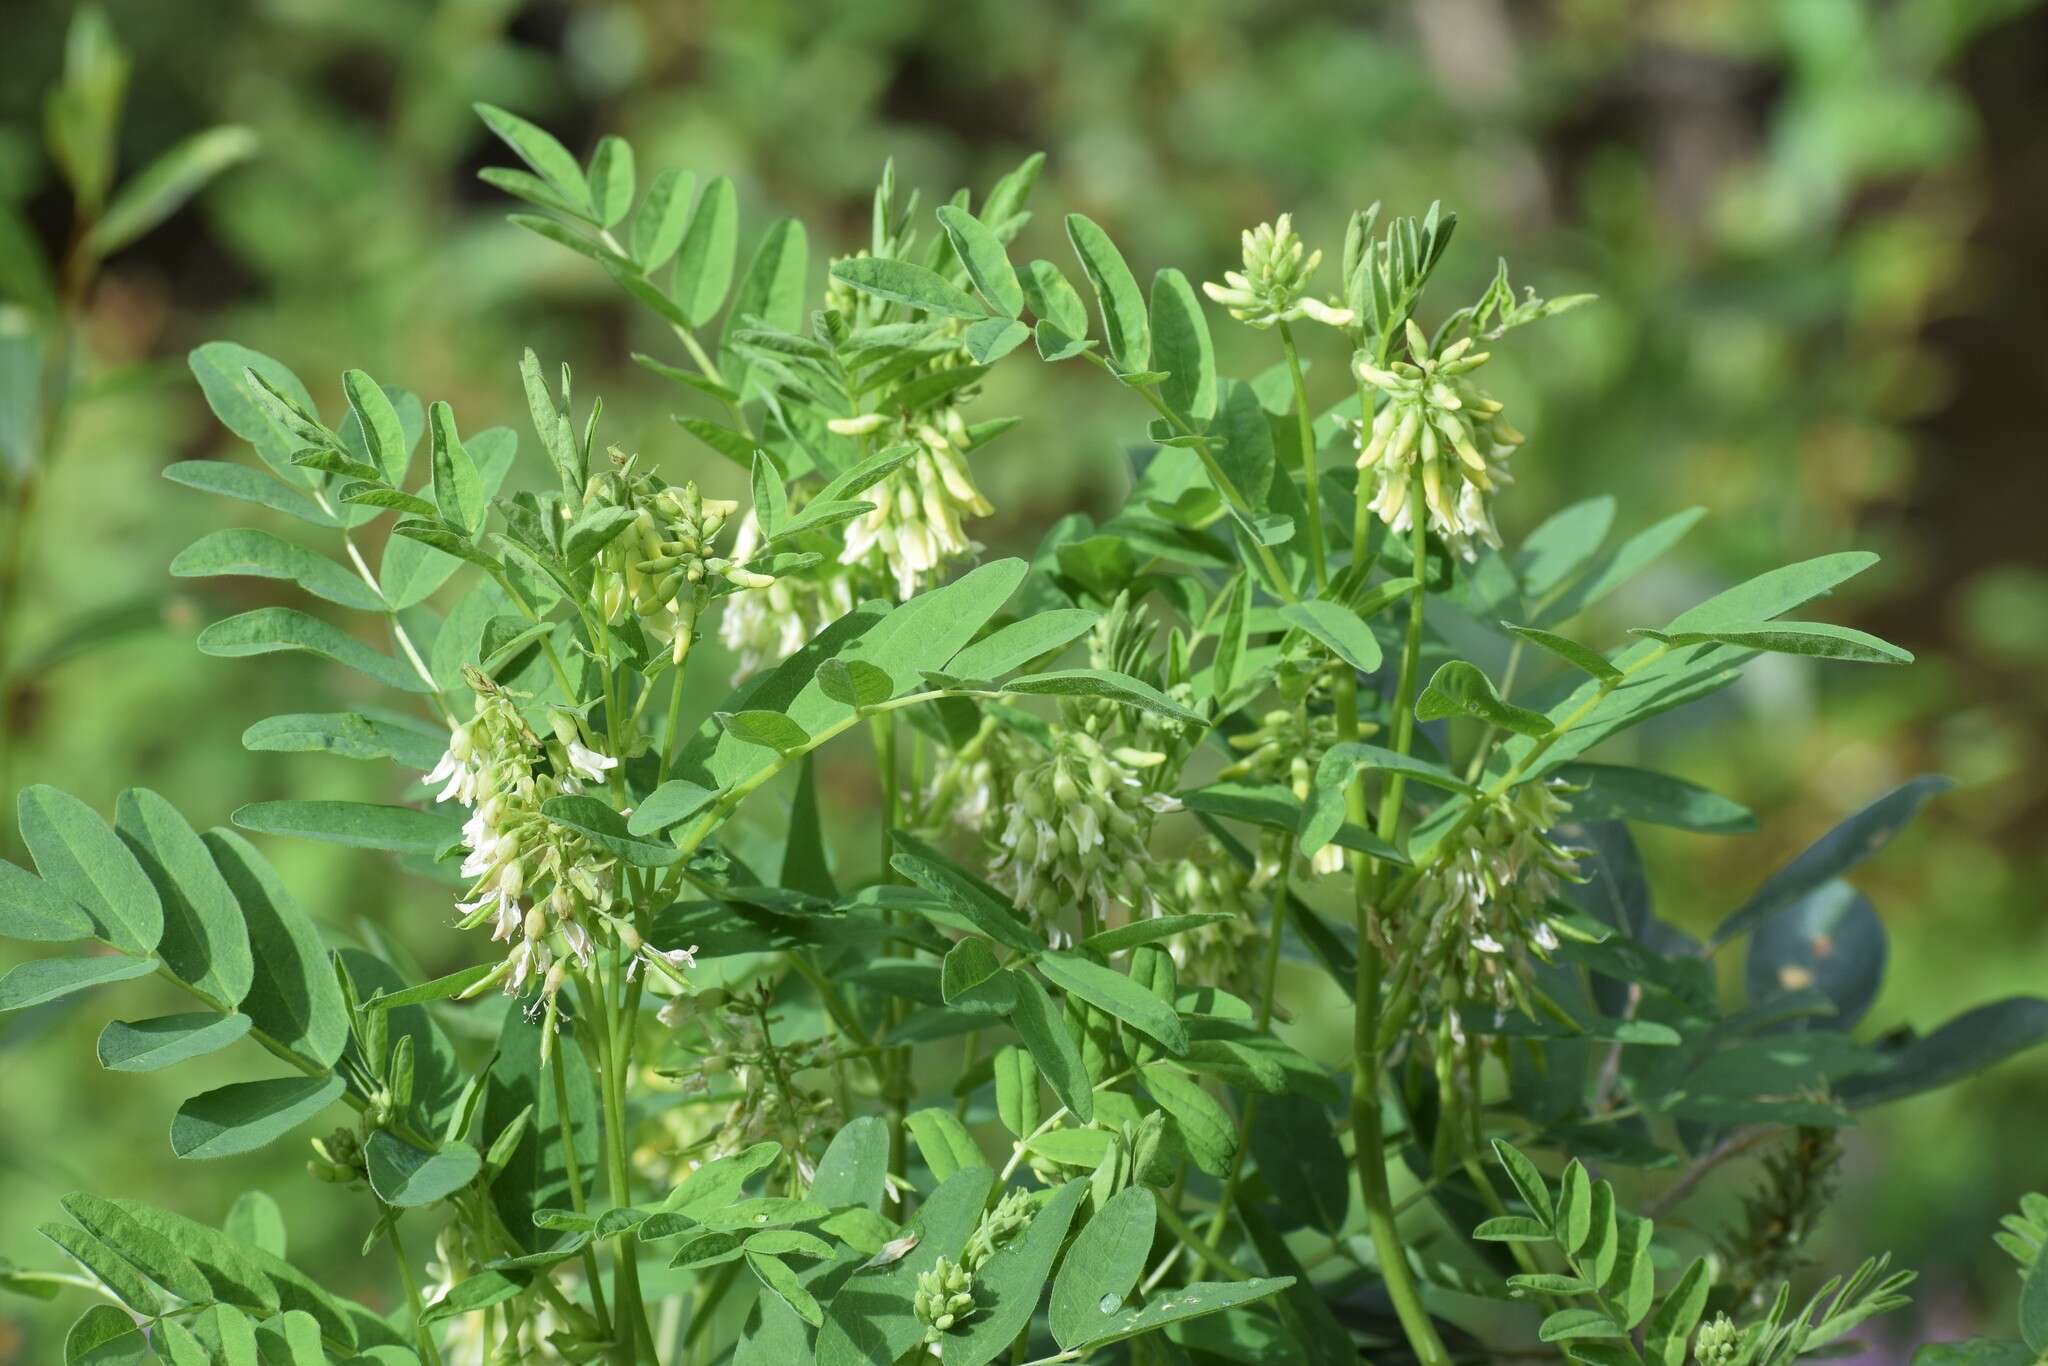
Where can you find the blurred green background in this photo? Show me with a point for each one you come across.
(1814, 225)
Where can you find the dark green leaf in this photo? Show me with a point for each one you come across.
(1460, 689)
(146, 1045)
(905, 283)
(359, 825)
(247, 1115)
(83, 860)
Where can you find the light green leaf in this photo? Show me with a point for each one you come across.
(458, 488)
(991, 339)
(772, 292)
(1342, 631)
(139, 1242)
(1817, 639)
(674, 801)
(222, 371)
(943, 1141)
(988, 265)
(163, 186)
(245, 550)
(1103, 1265)
(1580, 657)
(1666, 1335)
(1020, 642)
(1055, 301)
(1124, 324)
(663, 215)
(147, 1045)
(854, 682)
(384, 439)
(539, 149)
(250, 486)
(1611, 569)
(769, 728)
(1013, 1279)
(359, 825)
(870, 1318)
(1017, 1100)
(1210, 1132)
(105, 1336)
(247, 1115)
(1188, 1302)
(973, 899)
(903, 282)
(1052, 1047)
(592, 818)
(1568, 1324)
(1148, 930)
(1616, 792)
(1181, 346)
(1102, 683)
(1460, 689)
(1109, 990)
(704, 262)
(49, 979)
(778, 1277)
(611, 179)
(968, 965)
(82, 859)
(1564, 542)
(272, 630)
(406, 740)
(407, 1177)
(107, 1267)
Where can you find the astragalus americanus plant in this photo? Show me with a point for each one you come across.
(1019, 1084)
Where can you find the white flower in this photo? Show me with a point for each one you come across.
(589, 762)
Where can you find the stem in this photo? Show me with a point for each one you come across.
(1193, 1240)
(430, 1352)
(1269, 981)
(1311, 496)
(575, 1174)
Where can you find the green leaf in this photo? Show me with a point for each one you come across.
(969, 965)
(538, 148)
(704, 262)
(1124, 324)
(384, 438)
(359, 825)
(1302, 1161)
(1103, 683)
(611, 179)
(1188, 1302)
(593, 531)
(458, 489)
(272, 630)
(250, 486)
(82, 859)
(1148, 930)
(1044, 1031)
(778, 1277)
(142, 1245)
(771, 292)
(32, 909)
(103, 1335)
(673, 802)
(855, 1165)
(1341, 631)
(927, 868)
(1966, 1045)
(406, 740)
(946, 1145)
(222, 371)
(1562, 544)
(534, 1175)
(1052, 299)
(1611, 569)
(1818, 639)
(147, 1045)
(1615, 792)
(1567, 1324)
(1013, 1279)
(1460, 689)
(1512, 1228)
(906, 283)
(1210, 1132)
(855, 682)
(295, 999)
(1528, 1181)
(247, 1115)
(178, 1345)
(440, 989)
(1017, 1100)
(163, 186)
(49, 979)
(407, 1177)
(2034, 1307)
(1181, 346)
(988, 265)
(256, 1219)
(593, 818)
(1111, 991)
(1580, 657)
(769, 728)
(991, 339)
(663, 215)
(1666, 1334)
(1574, 1207)
(474, 1294)
(1324, 816)
(870, 1318)
(1833, 854)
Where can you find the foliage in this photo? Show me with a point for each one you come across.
(1249, 636)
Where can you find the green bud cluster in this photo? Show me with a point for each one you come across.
(1208, 880)
(337, 1159)
(1719, 1342)
(1077, 827)
(1273, 286)
(1435, 426)
(945, 1297)
(996, 1228)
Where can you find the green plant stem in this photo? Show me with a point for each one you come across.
(1311, 494)
(574, 1170)
(630, 1320)
(1192, 1240)
(430, 1351)
(1269, 981)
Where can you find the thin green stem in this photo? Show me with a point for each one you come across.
(430, 1351)
(1268, 985)
(1311, 495)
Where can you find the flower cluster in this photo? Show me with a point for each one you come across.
(763, 629)
(1436, 428)
(1076, 829)
(539, 884)
(1273, 286)
(915, 528)
(1488, 903)
(945, 1296)
(655, 568)
(1285, 747)
(1209, 881)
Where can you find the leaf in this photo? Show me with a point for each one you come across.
(945, 1143)
(704, 262)
(1020, 642)
(538, 148)
(1102, 1266)
(256, 1219)
(1324, 815)
(905, 283)
(592, 818)
(1147, 930)
(142, 1245)
(407, 1177)
(1460, 689)
(1567, 1324)
(1512, 1228)
(1110, 686)
(271, 630)
(1580, 657)
(1302, 1161)
(1017, 1099)
(855, 682)
(1181, 347)
(1058, 1057)
(247, 1115)
(458, 489)
(1574, 1207)
(359, 825)
(927, 868)
(1112, 991)
(295, 999)
(162, 187)
(1013, 1279)
(768, 728)
(870, 1318)
(49, 979)
(32, 909)
(664, 214)
(2033, 1309)
(534, 1175)
(1830, 941)
(1564, 542)
(1615, 792)
(1611, 569)
(968, 965)
(384, 439)
(1210, 1133)
(1818, 639)
(855, 1165)
(988, 265)
(1124, 325)
(1666, 1334)
(105, 1336)
(1055, 301)
(406, 740)
(1188, 1302)
(473, 1294)
(991, 339)
(778, 1277)
(1341, 631)
(611, 179)
(250, 486)
(80, 858)
(1964, 1046)
(673, 802)
(147, 1045)
(771, 291)
(1833, 854)
(222, 370)
(1528, 1181)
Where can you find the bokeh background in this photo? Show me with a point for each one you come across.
(1815, 226)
